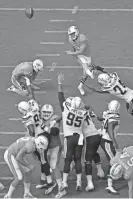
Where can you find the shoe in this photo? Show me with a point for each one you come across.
(61, 194)
(90, 186)
(50, 187)
(78, 187)
(43, 184)
(7, 197)
(82, 92)
(112, 190)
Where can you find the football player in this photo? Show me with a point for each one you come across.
(15, 158)
(111, 83)
(110, 126)
(73, 115)
(54, 149)
(23, 76)
(81, 51)
(122, 166)
(92, 143)
(32, 120)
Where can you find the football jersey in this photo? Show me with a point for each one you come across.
(109, 117)
(24, 69)
(33, 117)
(89, 128)
(78, 42)
(126, 160)
(54, 140)
(72, 119)
(116, 87)
(20, 143)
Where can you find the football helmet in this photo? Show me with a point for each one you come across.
(77, 103)
(47, 111)
(116, 171)
(23, 107)
(38, 65)
(41, 143)
(104, 79)
(33, 105)
(73, 32)
(114, 106)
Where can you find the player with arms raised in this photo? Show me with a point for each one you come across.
(81, 51)
(122, 166)
(111, 83)
(109, 130)
(73, 115)
(15, 158)
(23, 76)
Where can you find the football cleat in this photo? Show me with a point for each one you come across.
(90, 186)
(112, 190)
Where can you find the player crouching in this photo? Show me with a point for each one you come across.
(122, 166)
(81, 51)
(23, 76)
(15, 158)
(54, 148)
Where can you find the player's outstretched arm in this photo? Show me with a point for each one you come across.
(61, 97)
(93, 89)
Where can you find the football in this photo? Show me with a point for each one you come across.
(29, 12)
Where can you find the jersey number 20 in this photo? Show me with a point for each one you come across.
(73, 120)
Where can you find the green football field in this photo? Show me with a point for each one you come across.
(109, 28)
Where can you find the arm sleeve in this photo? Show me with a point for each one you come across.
(61, 99)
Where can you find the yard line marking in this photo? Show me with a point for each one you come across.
(15, 119)
(2, 162)
(75, 67)
(3, 147)
(43, 79)
(52, 43)
(48, 55)
(6, 178)
(2, 194)
(70, 10)
(55, 31)
(61, 20)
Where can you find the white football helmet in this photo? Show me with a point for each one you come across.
(38, 65)
(33, 105)
(104, 79)
(68, 100)
(116, 171)
(23, 107)
(41, 143)
(114, 106)
(47, 111)
(73, 32)
(77, 103)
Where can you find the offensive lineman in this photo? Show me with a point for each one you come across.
(15, 158)
(111, 83)
(23, 76)
(122, 165)
(81, 51)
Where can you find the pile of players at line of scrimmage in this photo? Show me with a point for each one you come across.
(43, 126)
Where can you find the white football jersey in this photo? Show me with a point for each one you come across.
(72, 120)
(109, 117)
(117, 88)
(89, 128)
(35, 119)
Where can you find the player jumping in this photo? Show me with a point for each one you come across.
(123, 167)
(23, 76)
(111, 83)
(73, 116)
(15, 158)
(81, 51)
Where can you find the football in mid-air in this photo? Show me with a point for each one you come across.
(29, 12)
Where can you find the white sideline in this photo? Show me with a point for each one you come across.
(70, 10)
(75, 67)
